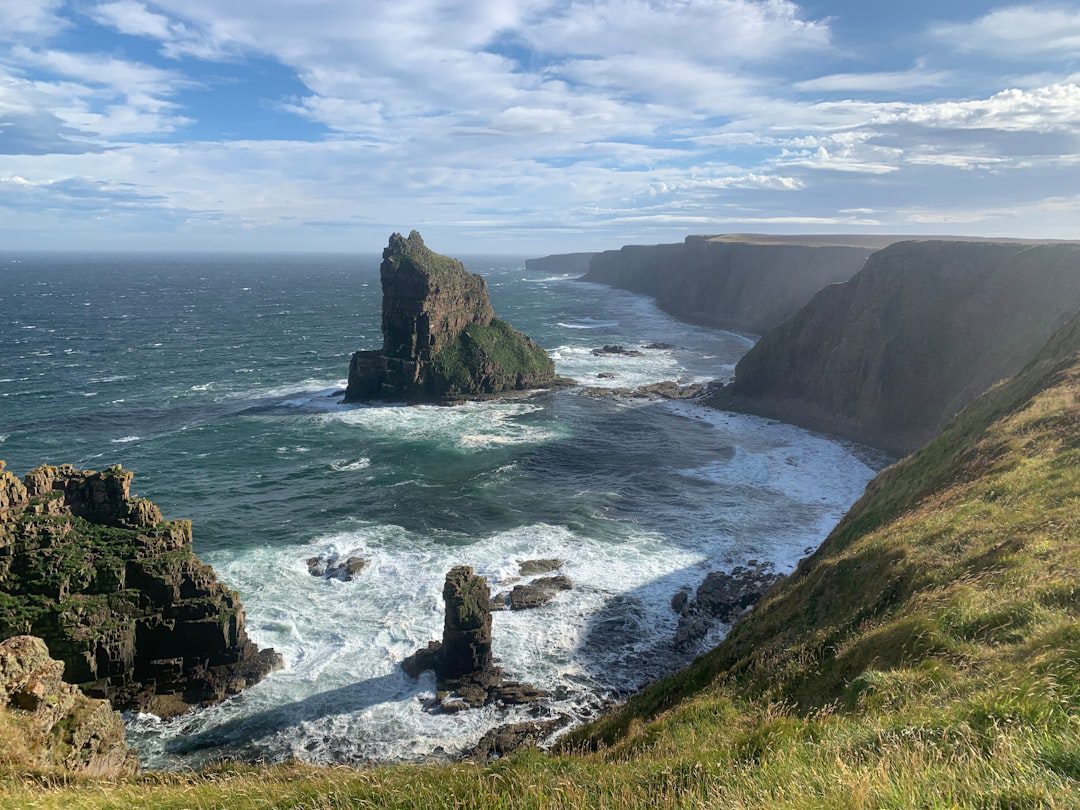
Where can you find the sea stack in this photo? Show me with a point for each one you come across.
(441, 339)
(117, 594)
(463, 661)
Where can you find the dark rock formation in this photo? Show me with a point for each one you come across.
(889, 357)
(560, 263)
(531, 595)
(333, 567)
(117, 593)
(606, 375)
(528, 568)
(619, 350)
(720, 598)
(58, 724)
(503, 740)
(441, 339)
(658, 346)
(666, 389)
(744, 284)
(463, 661)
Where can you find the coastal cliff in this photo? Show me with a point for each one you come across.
(746, 285)
(441, 339)
(560, 263)
(889, 357)
(117, 594)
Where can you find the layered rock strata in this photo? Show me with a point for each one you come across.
(463, 661)
(441, 339)
(117, 594)
(889, 357)
(57, 725)
(560, 263)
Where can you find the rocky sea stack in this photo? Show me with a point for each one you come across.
(441, 339)
(118, 595)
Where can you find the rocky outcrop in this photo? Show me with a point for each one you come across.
(742, 284)
(503, 740)
(889, 357)
(533, 594)
(463, 661)
(117, 593)
(441, 339)
(721, 598)
(665, 389)
(57, 726)
(333, 567)
(560, 263)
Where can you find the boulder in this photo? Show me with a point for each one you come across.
(528, 568)
(441, 339)
(333, 567)
(534, 594)
(503, 740)
(721, 598)
(619, 350)
(58, 724)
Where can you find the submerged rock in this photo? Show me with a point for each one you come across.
(666, 389)
(720, 598)
(619, 350)
(57, 723)
(118, 595)
(528, 568)
(333, 567)
(463, 662)
(441, 339)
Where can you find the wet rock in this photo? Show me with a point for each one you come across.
(722, 598)
(58, 724)
(441, 339)
(498, 742)
(679, 600)
(658, 346)
(615, 349)
(533, 594)
(606, 375)
(118, 595)
(332, 567)
(666, 389)
(463, 662)
(528, 568)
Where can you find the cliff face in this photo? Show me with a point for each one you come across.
(560, 263)
(117, 593)
(890, 356)
(441, 339)
(745, 286)
(52, 723)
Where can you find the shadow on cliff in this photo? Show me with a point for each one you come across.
(242, 732)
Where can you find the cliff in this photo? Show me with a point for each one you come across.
(50, 725)
(890, 356)
(741, 284)
(441, 339)
(117, 593)
(560, 263)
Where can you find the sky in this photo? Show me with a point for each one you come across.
(531, 126)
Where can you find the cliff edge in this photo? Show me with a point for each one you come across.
(730, 284)
(889, 357)
(441, 339)
(118, 595)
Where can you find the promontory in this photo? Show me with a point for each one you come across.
(441, 339)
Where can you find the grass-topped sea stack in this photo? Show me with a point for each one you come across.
(441, 339)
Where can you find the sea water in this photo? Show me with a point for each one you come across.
(218, 379)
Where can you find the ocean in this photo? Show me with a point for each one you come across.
(218, 380)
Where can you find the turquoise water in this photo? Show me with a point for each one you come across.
(217, 379)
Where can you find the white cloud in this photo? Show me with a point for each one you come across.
(30, 19)
(1035, 31)
(883, 81)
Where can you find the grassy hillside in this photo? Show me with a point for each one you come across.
(928, 655)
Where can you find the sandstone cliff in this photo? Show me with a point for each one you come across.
(741, 284)
(441, 339)
(117, 593)
(49, 724)
(890, 356)
(560, 263)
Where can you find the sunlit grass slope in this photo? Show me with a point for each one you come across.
(928, 655)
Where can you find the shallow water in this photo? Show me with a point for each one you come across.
(217, 379)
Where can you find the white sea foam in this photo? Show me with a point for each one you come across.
(127, 439)
(343, 465)
(653, 365)
(469, 427)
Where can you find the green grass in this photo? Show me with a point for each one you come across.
(489, 359)
(928, 655)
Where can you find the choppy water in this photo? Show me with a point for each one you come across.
(214, 378)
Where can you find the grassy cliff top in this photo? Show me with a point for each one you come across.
(411, 253)
(928, 655)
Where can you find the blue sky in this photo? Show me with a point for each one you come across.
(531, 126)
